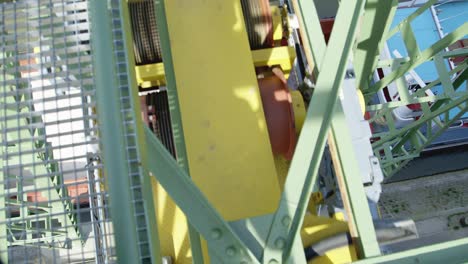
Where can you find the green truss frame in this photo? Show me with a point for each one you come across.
(109, 20)
(397, 146)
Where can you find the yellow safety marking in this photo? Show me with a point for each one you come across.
(228, 148)
(283, 56)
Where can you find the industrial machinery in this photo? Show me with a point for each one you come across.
(234, 131)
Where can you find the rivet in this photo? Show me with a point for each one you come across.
(286, 221)
(231, 251)
(216, 233)
(280, 243)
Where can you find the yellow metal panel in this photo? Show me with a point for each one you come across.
(277, 22)
(172, 226)
(153, 74)
(316, 228)
(150, 75)
(340, 255)
(283, 56)
(226, 136)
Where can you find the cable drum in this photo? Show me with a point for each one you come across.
(258, 23)
(146, 43)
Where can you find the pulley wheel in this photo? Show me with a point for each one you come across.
(279, 115)
(258, 23)
(146, 42)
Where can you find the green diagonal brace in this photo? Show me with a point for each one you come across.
(376, 22)
(312, 30)
(208, 222)
(303, 171)
(362, 218)
(176, 122)
(411, 17)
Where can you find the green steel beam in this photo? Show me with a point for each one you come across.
(447, 252)
(365, 54)
(410, 40)
(411, 17)
(174, 109)
(146, 186)
(112, 131)
(3, 215)
(352, 181)
(419, 142)
(397, 156)
(422, 142)
(222, 240)
(420, 95)
(302, 174)
(312, 31)
(418, 123)
(456, 84)
(375, 24)
(437, 109)
(452, 103)
(3, 205)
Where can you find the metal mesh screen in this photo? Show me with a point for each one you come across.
(53, 199)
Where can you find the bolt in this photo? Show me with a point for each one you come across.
(286, 221)
(231, 251)
(216, 233)
(280, 243)
(273, 261)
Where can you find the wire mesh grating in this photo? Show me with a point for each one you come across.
(53, 199)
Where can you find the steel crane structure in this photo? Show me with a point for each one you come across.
(151, 131)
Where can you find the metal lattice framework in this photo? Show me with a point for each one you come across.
(398, 145)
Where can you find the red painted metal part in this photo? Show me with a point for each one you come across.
(279, 115)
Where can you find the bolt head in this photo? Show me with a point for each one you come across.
(231, 251)
(216, 233)
(280, 243)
